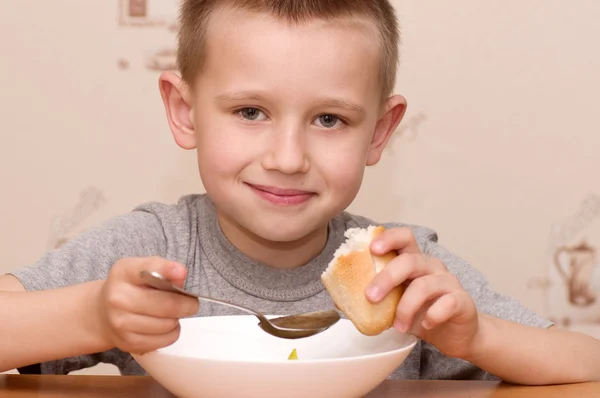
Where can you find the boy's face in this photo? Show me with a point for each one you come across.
(284, 119)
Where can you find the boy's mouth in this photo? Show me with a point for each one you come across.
(281, 196)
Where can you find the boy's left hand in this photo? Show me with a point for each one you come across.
(434, 306)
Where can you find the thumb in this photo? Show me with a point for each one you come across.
(175, 272)
(395, 239)
(171, 270)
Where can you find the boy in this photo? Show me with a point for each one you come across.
(285, 103)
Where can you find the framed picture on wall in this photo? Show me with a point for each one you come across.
(148, 12)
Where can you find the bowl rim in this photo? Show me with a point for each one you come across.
(412, 342)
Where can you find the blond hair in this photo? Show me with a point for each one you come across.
(195, 16)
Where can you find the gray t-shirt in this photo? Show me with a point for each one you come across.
(188, 232)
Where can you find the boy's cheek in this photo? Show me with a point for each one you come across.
(343, 172)
(220, 160)
(226, 147)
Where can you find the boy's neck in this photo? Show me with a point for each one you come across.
(281, 255)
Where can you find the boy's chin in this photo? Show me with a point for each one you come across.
(293, 232)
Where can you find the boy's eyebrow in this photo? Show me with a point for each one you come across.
(239, 96)
(326, 103)
(349, 106)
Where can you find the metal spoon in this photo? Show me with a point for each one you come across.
(287, 327)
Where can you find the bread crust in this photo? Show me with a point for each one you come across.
(346, 281)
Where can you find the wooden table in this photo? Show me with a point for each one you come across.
(26, 386)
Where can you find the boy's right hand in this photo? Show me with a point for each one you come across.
(137, 318)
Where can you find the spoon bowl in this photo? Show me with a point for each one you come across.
(295, 326)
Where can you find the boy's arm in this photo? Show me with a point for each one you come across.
(515, 344)
(46, 325)
(45, 307)
(523, 354)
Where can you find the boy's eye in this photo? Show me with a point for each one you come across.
(328, 121)
(251, 114)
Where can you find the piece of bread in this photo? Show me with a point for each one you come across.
(351, 270)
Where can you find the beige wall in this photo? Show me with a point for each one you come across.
(499, 147)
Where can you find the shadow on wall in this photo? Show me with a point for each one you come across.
(65, 225)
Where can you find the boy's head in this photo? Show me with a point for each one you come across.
(282, 99)
(195, 20)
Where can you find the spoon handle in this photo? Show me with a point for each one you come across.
(157, 281)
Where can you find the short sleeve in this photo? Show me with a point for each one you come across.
(88, 257)
(437, 366)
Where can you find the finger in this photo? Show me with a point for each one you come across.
(152, 302)
(404, 267)
(144, 324)
(171, 270)
(142, 343)
(444, 309)
(400, 239)
(419, 293)
(161, 304)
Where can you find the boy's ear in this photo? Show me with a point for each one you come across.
(177, 100)
(393, 112)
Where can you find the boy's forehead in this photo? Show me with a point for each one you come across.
(227, 21)
(249, 51)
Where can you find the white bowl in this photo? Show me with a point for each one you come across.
(230, 356)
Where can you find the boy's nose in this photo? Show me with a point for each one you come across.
(287, 153)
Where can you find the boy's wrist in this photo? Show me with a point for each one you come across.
(481, 346)
(92, 316)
